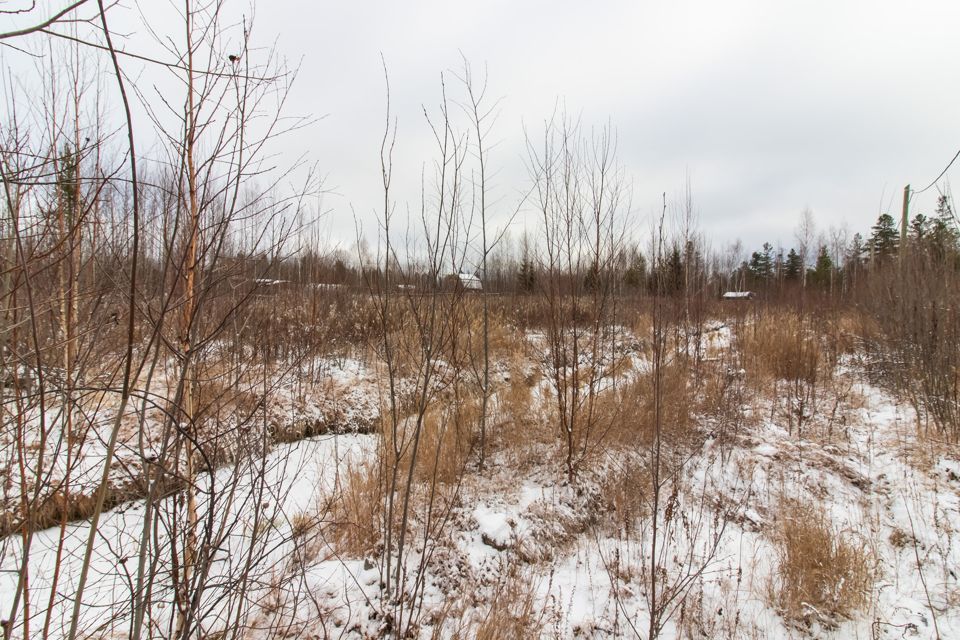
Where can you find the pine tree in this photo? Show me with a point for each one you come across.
(67, 180)
(857, 252)
(527, 275)
(853, 259)
(820, 274)
(591, 281)
(885, 239)
(919, 228)
(636, 272)
(793, 267)
(527, 272)
(944, 236)
(674, 271)
(761, 264)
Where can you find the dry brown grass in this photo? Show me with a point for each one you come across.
(627, 415)
(446, 431)
(642, 326)
(624, 493)
(447, 439)
(820, 568)
(446, 435)
(358, 510)
(845, 329)
(302, 523)
(618, 369)
(780, 346)
(505, 340)
(453, 325)
(53, 508)
(521, 419)
(514, 613)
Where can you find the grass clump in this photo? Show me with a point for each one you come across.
(822, 572)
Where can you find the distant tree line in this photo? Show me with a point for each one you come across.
(834, 266)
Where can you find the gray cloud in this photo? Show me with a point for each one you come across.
(770, 107)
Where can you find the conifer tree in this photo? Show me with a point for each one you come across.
(885, 239)
(793, 267)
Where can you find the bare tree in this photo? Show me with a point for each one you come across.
(805, 234)
(577, 189)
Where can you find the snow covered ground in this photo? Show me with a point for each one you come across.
(583, 566)
(269, 498)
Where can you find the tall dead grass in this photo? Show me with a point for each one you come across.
(444, 438)
(358, 509)
(523, 418)
(821, 571)
(459, 339)
(514, 613)
(627, 414)
(780, 345)
(790, 357)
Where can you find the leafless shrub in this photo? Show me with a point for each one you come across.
(912, 336)
(581, 237)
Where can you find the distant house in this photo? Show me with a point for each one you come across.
(738, 295)
(266, 287)
(327, 286)
(461, 282)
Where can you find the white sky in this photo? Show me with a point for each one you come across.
(769, 106)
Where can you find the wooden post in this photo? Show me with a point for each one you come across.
(904, 220)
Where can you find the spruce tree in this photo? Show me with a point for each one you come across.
(820, 274)
(526, 275)
(761, 264)
(794, 266)
(885, 239)
(943, 233)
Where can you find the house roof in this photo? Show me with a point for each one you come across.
(469, 281)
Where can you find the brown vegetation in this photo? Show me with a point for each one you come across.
(821, 571)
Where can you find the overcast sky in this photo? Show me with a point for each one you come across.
(770, 107)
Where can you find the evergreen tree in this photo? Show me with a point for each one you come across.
(761, 264)
(674, 271)
(527, 271)
(943, 230)
(919, 228)
(857, 252)
(885, 239)
(339, 271)
(793, 267)
(591, 282)
(527, 275)
(636, 272)
(853, 259)
(67, 186)
(945, 212)
(822, 271)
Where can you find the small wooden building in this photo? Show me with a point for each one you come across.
(461, 282)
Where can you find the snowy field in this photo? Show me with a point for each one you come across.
(520, 538)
